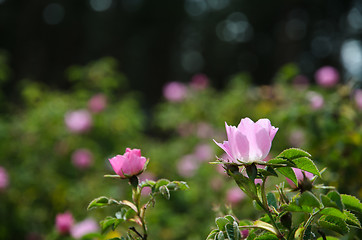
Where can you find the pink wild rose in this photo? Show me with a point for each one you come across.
(129, 164)
(97, 103)
(248, 142)
(78, 121)
(327, 76)
(300, 176)
(64, 222)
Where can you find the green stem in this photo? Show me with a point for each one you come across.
(136, 196)
(264, 205)
(309, 221)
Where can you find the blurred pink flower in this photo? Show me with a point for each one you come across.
(244, 233)
(78, 121)
(358, 98)
(204, 152)
(316, 100)
(185, 129)
(204, 130)
(131, 163)
(175, 91)
(187, 165)
(327, 76)
(249, 142)
(300, 176)
(4, 178)
(235, 195)
(64, 222)
(301, 81)
(82, 158)
(216, 183)
(199, 81)
(85, 227)
(146, 176)
(97, 103)
(296, 138)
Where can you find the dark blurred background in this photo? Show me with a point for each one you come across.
(160, 41)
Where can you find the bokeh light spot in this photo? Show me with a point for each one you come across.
(195, 7)
(100, 5)
(351, 54)
(53, 13)
(192, 61)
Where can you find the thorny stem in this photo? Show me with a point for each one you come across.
(309, 221)
(136, 196)
(264, 205)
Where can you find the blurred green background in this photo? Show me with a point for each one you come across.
(82, 80)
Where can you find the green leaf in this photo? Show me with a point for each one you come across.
(333, 212)
(165, 192)
(220, 236)
(230, 218)
(307, 164)
(251, 170)
(101, 202)
(272, 201)
(292, 207)
(309, 199)
(327, 202)
(212, 234)
(334, 223)
(147, 183)
(308, 233)
(231, 232)
(328, 238)
(271, 171)
(221, 222)
(279, 161)
(110, 222)
(161, 182)
(336, 198)
(293, 153)
(267, 236)
(177, 185)
(352, 219)
(265, 226)
(351, 203)
(289, 173)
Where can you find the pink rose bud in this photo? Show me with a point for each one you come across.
(4, 179)
(199, 81)
(327, 76)
(129, 164)
(249, 142)
(175, 91)
(78, 121)
(300, 176)
(63, 222)
(82, 158)
(97, 103)
(358, 98)
(188, 165)
(83, 228)
(316, 100)
(235, 195)
(204, 152)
